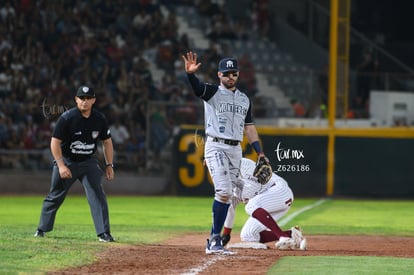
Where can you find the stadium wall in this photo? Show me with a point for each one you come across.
(374, 162)
(368, 162)
(38, 182)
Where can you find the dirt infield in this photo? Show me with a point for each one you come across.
(186, 255)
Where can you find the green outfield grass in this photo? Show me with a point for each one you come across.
(146, 220)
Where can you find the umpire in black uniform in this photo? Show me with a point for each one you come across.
(73, 145)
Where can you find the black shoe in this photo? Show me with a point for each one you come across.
(39, 233)
(105, 237)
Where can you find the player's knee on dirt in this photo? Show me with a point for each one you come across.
(248, 235)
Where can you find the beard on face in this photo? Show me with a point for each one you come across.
(229, 86)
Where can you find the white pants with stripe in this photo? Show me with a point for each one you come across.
(276, 200)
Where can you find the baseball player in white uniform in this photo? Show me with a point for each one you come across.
(228, 116)
(274, 198)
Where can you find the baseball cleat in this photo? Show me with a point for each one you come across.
(285, 243)
(214, 245)
(106, 238)
(39, 233)
(297, 236)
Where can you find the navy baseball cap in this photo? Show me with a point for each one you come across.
(228, 65)
(84, 91)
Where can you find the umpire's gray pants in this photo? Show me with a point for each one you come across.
(90, 175)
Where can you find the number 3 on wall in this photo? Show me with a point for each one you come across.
(192, 146)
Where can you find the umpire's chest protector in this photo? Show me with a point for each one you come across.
(225, 114)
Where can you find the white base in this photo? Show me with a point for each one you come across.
(251, 245)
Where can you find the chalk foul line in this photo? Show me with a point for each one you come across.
(285, 220)
(282, 222)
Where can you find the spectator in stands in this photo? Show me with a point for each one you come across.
(165, 56)
(7, 12)
(298, 108)
(207, 8)
(6, 79)
(247, 76)
(120, 134)
(261, 18)
(122, 81)
(211, 55)
(118, 107)
(4, 133)
(139, 115)
(15, 144)
(141, 22)
(242, 28)
(135, 146)
(105, 102)
(115, 50)
(221, 27)
(159, 134)
(140, 68)
(61, 44)
(123, 20)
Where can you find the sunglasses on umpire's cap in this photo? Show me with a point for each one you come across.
(85, 91)
(228, 65)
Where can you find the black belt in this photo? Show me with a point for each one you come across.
(226, 141)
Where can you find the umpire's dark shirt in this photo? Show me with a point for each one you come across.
(79, 135)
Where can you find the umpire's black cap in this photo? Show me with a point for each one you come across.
(85, 91)
(228, 65)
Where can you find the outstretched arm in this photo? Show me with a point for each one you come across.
(205, 91)
(190, 62)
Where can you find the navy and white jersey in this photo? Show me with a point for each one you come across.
(79, 135)
(226, 112)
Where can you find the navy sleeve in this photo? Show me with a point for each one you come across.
(203, 90)
(248, 120)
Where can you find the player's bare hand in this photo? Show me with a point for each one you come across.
(109, 172)
(65, 172)
(190, 62)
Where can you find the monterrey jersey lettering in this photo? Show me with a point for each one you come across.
(228, 107)
(225, 113)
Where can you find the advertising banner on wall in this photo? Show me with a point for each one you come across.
(301, 160)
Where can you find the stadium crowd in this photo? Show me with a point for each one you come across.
(49, 48)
